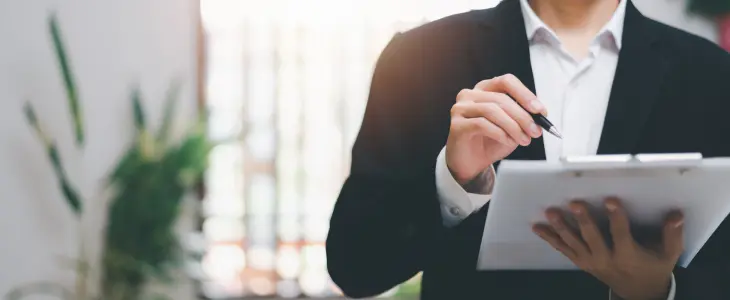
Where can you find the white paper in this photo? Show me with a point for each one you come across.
(649, 190)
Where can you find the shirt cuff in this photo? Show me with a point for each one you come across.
(456, 202)
(672, 291)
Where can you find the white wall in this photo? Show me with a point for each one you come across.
(112, 44)
(673, 12)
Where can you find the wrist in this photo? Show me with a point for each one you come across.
(462, 179)
(660, 291)
(482, 183)
(478, 184)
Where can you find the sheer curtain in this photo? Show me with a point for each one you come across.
(286, 86)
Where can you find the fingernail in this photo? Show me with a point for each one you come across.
(537, 106)
(611, 206)
(577, 210)
(534, 130)
(678, 224)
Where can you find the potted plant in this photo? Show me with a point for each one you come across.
(147, 187)
(718, 10)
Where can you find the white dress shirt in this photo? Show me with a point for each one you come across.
(575, 93)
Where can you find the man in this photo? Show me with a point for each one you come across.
(443, 111)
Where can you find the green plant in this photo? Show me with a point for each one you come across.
(150, 182)
(148, 185)
(710, 8)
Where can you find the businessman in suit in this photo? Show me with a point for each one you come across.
(443, 111)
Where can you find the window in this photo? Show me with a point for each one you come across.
(287, 84)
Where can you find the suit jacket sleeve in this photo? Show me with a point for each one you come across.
(387, 213)
(708, 275)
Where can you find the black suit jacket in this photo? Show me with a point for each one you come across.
(671, 93)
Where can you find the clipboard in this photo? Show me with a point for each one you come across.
(649, 185)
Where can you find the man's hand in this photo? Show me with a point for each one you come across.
(630, 270)
(487, 125)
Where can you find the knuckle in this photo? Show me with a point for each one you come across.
(463, 95)
(501, 80)
(457, 121)
(456, 109)
(457, 125)
(509, 78)
(482, 83)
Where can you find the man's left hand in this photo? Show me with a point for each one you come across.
(629, 269)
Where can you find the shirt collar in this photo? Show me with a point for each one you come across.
(614, 27)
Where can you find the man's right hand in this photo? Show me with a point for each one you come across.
(487, 125)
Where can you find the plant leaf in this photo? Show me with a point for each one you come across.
(69, 193)
(139, 117)
(126, 166)
(170, 104)
(68, 79)
(30, 115)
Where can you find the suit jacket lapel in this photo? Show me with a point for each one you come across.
(501, 47)
(638, 79)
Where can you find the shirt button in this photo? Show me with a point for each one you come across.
(455, 211)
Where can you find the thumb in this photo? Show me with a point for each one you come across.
(673, 235)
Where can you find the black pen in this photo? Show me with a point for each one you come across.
(543, 122)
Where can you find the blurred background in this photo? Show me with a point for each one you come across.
(284, 85)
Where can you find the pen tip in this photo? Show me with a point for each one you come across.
(554, 131)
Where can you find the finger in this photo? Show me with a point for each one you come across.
(512, 86)
(619, 224)
(482, 127)
(492, 131)
(494, 114)
(517, 113)
(547, 234)
(557, 222)
(589, 230)
(673, 235)
(466, 95)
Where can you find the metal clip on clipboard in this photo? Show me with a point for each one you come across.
(640, 164)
